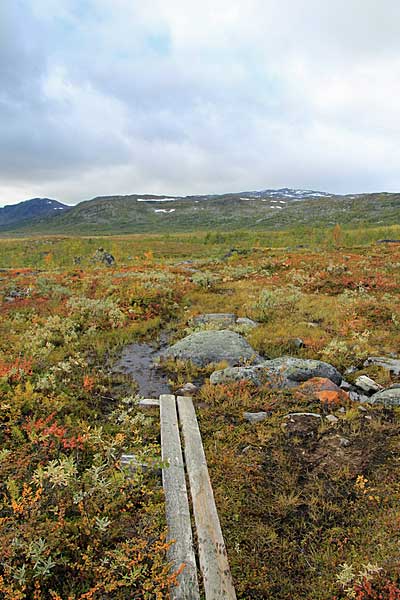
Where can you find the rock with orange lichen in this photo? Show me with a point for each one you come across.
(322, 389)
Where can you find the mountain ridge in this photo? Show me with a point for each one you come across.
(269, 208)
(27, 211)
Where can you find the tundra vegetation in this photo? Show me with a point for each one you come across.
(310, 508)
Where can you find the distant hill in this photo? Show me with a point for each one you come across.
(24, 213)
(265, 209)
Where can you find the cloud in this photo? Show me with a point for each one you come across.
(121, 96)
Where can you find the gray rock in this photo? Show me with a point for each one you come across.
(255, 374)
(390, 364)
(344, 442)
(246, 322)
(367, 384)
(255, 417)
(221, 320)
(331, 419)
(389, 397)
(346, 386)
(187, 389)
(298, 343)
(282, 372)
(205, 347)
(104, 257)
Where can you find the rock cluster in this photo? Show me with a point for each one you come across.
(311, 377)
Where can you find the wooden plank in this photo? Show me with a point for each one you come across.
(144, 402)
(177, 505)
(214, 564)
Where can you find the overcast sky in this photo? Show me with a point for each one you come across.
(105, 97)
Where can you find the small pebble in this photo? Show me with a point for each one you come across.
(255, 417)
(344, 442)
(332, 419)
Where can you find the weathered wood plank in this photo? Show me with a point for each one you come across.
(144, 402)
(214, 564)
(177, 504)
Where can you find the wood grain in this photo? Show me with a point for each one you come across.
(181, 552)
(214, 564)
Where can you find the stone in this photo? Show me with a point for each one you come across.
(322, 389)
(390, 364)
(331, 419)
(346, 386)
(285, 372)
(367, 384)
(344, 442)
(205, 347)
(298, 343)
(253, 374)
(189, 389)
(256, 417)
(221, 320)
(104, 257)
(389, 397)
(246, 322)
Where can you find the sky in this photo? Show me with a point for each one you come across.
(101, 97)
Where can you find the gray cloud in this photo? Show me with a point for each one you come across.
(102, 96)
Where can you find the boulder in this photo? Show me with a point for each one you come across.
(285, 372)
(388, 397)
(205, 347)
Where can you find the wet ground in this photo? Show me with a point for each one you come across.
(137, 360)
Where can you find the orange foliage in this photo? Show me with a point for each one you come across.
(17, 370)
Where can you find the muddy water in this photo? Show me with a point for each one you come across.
(137, 360)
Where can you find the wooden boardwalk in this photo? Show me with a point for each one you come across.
(190, 464)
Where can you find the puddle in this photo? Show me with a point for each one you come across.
(137, 360)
